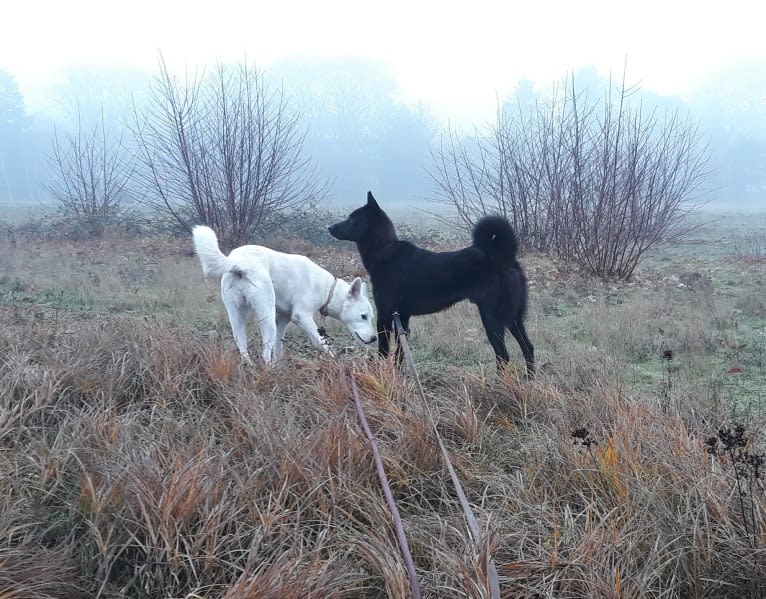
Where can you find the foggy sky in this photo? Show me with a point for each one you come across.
(444, 65)
(455, 58)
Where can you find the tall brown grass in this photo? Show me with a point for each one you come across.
(139, 458)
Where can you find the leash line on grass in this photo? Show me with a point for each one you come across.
(398, 526)
(473, 525)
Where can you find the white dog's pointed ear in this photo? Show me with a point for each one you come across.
(357, 286)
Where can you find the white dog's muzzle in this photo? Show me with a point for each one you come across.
(374, 337)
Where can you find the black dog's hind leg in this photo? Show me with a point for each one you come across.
(495, 330)
(520, 334)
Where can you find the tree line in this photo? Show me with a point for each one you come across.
(591, 174)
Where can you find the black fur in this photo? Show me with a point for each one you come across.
(411, 280)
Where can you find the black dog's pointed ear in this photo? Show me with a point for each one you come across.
(371, 200)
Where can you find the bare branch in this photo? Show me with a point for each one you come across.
(599, 183)
(91, 172)
(224, 149)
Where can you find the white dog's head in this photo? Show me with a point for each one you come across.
(357, 313)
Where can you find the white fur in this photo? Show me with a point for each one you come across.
(279, 289)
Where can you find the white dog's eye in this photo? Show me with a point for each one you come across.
(364, 316)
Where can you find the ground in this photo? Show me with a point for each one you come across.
(142, 459)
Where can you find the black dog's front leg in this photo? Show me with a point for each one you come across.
(387, 331)
(385, 326)
(404, 320)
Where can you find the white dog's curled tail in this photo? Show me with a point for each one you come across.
(210, 256)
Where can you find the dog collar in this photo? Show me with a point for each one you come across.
(323, 309)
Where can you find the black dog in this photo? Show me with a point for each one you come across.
(411, 280)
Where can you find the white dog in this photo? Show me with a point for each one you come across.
(281, 288)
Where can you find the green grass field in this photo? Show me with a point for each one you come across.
(140, 458)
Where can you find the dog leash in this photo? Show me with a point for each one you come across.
(401, 536)
(473, 525)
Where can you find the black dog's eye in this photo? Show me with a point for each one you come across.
(364, 316)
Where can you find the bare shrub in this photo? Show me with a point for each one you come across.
(91, 173)
(599, 183)
(224, 149)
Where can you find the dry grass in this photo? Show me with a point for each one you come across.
(139, 458)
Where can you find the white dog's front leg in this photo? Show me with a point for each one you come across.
(282, 321)
(308, 326)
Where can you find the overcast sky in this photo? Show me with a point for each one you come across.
(456, 57)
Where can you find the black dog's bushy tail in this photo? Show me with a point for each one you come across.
(494, 235)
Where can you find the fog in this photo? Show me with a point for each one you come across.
(373, 109)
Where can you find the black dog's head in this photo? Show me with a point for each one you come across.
(360, 223)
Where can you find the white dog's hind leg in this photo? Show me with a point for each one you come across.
(238, 320)
(269, 336)
(262, 301)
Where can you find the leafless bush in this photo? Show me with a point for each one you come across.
(91, 171)
(223, 149)
(597, 183)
